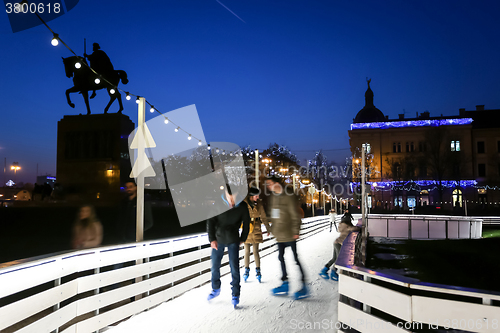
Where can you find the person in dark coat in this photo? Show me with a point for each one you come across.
(285, 226)
(347, 217)
(127, 217)
(223, 232)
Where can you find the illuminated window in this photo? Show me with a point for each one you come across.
(457, 198)
(455, 145)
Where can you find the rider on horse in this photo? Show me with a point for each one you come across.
(99, 61)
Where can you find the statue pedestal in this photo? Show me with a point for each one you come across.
(92, 156)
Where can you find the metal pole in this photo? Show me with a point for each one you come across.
(141, 146)
(363, 189)
(139, 236)
(257, 168)
(312, 203)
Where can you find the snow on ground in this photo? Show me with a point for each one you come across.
(258, 311)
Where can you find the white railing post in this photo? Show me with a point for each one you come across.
(56, 307)
(366, 307)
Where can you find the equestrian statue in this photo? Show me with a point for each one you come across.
(99, 75)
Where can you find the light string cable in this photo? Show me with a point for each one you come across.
(128, 94)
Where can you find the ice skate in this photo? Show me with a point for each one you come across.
(246, 274)
(281, 290)
(324, 273)
(302, 293)
(213, 294)
(235, 301)
(334, 276)
(258, 275)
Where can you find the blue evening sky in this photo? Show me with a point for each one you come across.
(294, 72)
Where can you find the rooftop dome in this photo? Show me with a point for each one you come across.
(369, 113)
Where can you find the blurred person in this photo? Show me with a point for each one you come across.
(332, 220)
(223, 232)
(345, 227)
(347, 216)
(285, 226)
(87, 229)
(257, 217)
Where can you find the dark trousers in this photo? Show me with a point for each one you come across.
(233, 250)
(281, 252)
(336, 251)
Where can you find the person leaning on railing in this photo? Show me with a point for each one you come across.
(344, 228)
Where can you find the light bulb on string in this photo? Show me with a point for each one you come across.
(128, 96)
(166, 120)
(137, 100)
(189, 137)
(97, 80)
(78, 65)
(55, 40)
(112, 91)
(199, 143)
(177, 129)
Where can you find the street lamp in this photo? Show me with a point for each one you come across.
(15, 166)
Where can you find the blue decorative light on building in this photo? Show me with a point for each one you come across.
(421, 184)
(412, 123)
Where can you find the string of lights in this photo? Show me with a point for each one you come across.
(112, 88)
(423, 184)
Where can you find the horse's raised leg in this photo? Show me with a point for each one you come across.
(70, 90)
(85, 95)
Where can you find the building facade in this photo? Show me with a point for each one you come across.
(449, 163)
(92, 156)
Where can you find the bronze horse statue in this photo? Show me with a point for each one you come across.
(84, 81)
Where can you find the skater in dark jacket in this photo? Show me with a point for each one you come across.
(223, 232)
(285, 226)
(345, 227)
(347, 217)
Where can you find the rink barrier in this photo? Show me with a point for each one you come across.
(424, 226)
(371, 301)
(86, 290)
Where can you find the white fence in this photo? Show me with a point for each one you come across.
(424, 226)
(87, 290)
(373, 302)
